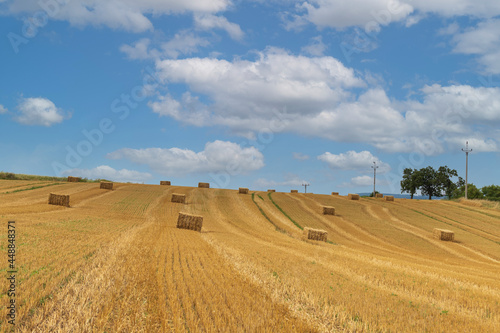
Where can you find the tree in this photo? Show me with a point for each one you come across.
(491, 192)
(472, 192)
(444, 175)
(429, 182)
(410, 182)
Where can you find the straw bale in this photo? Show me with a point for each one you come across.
(271, 191)
(294, 191)
(106, 185)
(204, 185)
(445, 235)
(179, 198)
(379, 195)
(328, 210)
(74, 179)
(191, 222)
(58, 199)
(165, 182)
(351, 196)
(243, 190)
(315, 234)
(389, 198)
(335, 193)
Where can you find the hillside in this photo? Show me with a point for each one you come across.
(114, 261)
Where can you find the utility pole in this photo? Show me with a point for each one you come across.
(467, 151)
(375, 167)
(305, 187)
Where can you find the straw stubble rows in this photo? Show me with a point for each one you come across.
(115, 261)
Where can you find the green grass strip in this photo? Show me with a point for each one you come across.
(281, 210)
(32, 188)
(264, 214)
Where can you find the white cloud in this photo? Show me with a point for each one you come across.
(290, 180)
(209, 21)
(107, 172)
(3, 109)
(362, 181)
(484, 41)
(452, 8)
(300, 156)
(316, 48)
(139, 50)
(368, 14)
(320, 97)
(218, 156)
(39, 111)
(129, 15)
(352, 160)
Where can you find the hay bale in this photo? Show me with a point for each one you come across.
(191, 222)
(243, 190)
(444, 235)
(179, 198)
(204, 185)
(335, 193)
(106, 185)
(272, 191)
(165, 182)
(379, 195)
(351, 196)
(328, 210)
(74, 179)
(315, 234)
(58, 199)
(294, 191)
(389, 198)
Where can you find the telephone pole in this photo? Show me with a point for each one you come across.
(305, 187)
(467, 151)
(375, 167)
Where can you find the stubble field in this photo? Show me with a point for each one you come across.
(115, 262)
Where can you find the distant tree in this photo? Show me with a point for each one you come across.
(430, 183)
(410, 182)
(491, 192)
(472, 192)
(444, 175)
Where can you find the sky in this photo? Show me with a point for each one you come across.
(259, 94)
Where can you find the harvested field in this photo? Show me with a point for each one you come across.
(116, 261)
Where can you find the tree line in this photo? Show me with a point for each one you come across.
(439, 183)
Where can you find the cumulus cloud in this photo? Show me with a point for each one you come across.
(3, 109)
(207, 21)
(218, 156)
(316, 47)
(107, 172)
(483, 41)
(129, 15)
(352, 160)
(39, 111)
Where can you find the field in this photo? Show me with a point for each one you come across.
(114, 261)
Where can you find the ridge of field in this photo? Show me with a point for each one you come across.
(114, 261)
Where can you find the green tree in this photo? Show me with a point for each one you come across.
(444, 175)
(472, 192)
(410, 182)
(429, 182)
(491, 192)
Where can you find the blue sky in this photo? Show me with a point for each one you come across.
(258, 94)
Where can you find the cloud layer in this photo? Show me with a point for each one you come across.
(352, 160)
(39, 111)
(107, 172)
(218, 156)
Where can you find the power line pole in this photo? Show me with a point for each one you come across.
(375, 167)
(467, 151)
(305, 187)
